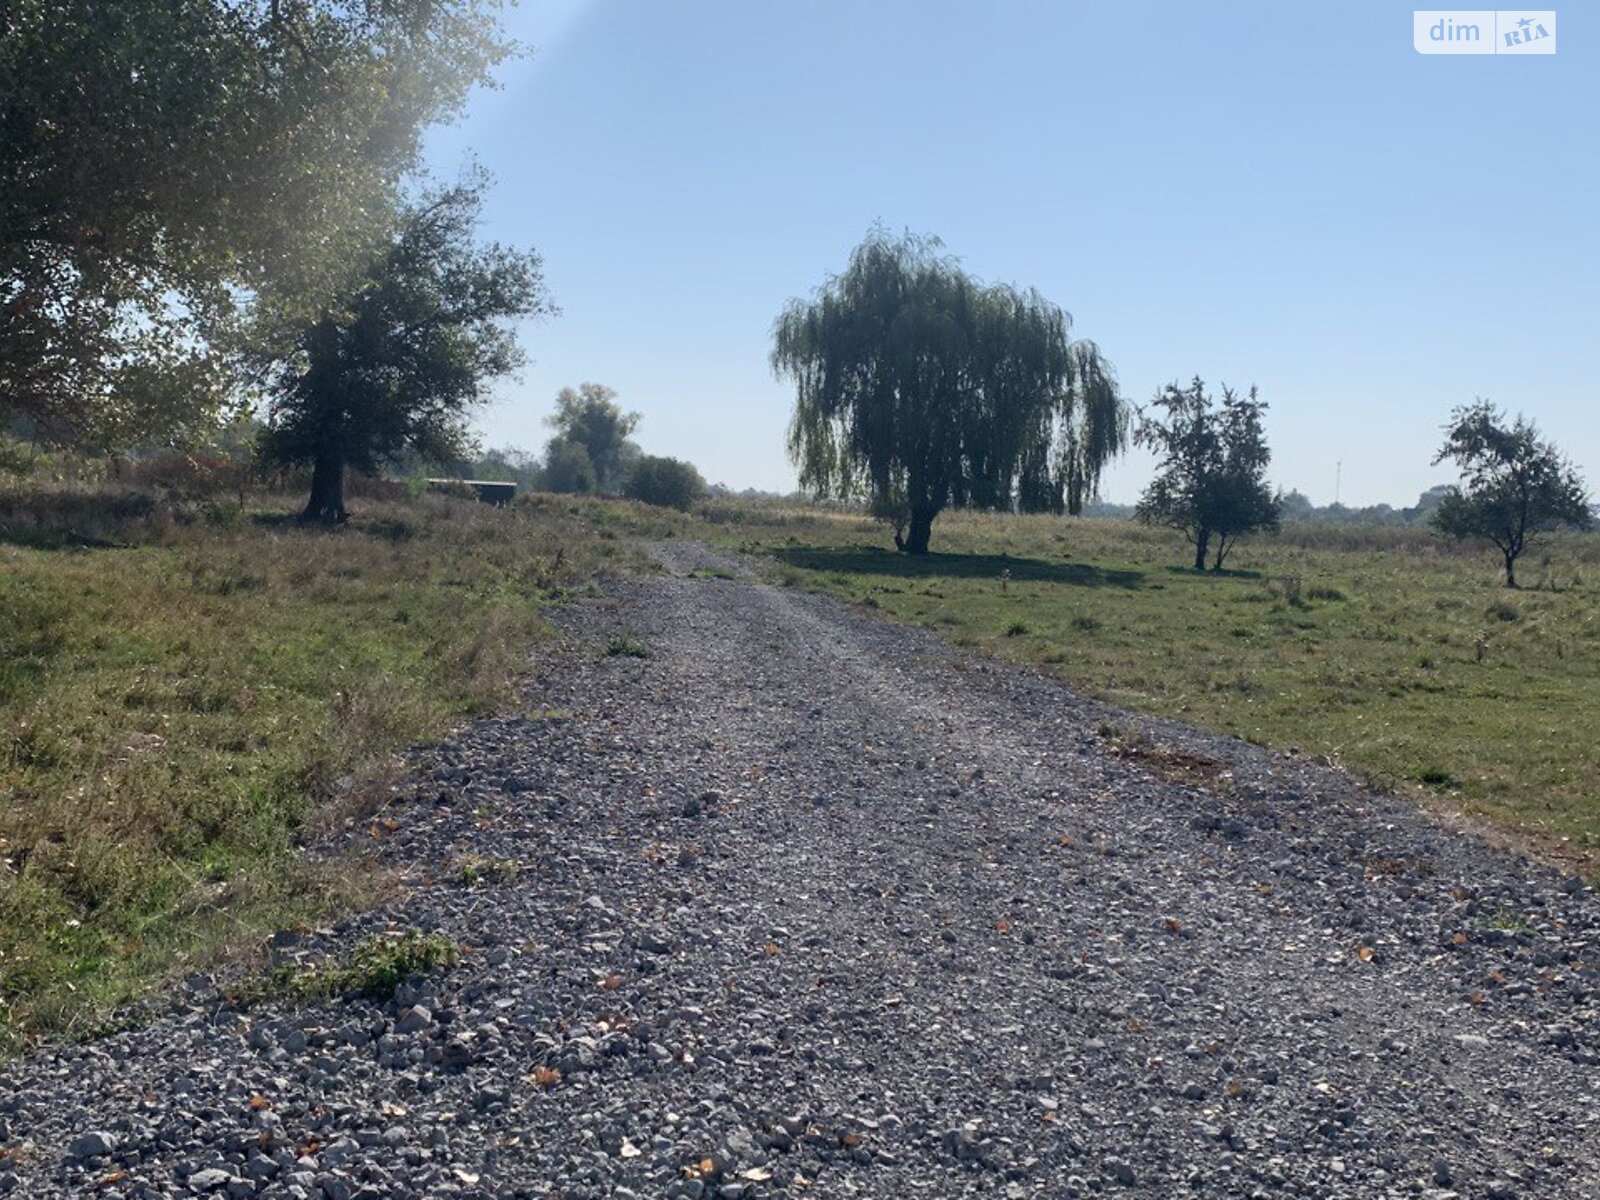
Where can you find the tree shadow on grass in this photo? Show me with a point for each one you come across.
(1213, 573)
(388, 529)
(72, 519)
(873, 560)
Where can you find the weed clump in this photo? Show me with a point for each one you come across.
(475, 871)
(375, 969)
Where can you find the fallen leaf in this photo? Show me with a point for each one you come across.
(611, 982)
(546, 1077)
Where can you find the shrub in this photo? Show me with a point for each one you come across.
(1504, 610)
(665, 482)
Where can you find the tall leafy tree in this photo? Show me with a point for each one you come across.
(398, 370)
(918, 387)
(1514, 487)
(1210, 481)
(165, 162)
(589, 416)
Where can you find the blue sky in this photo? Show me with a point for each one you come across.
(1280, 194)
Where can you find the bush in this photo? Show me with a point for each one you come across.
(665, 482)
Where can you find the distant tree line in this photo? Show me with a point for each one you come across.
(1298, 507)
(592, 452)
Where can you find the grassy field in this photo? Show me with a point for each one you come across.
(1388, 651)
(177, 702)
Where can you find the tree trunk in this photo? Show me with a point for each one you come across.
(1511, 569)
(1202, 543)
(327, 492)
(921, 528)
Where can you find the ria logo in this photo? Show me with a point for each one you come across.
(1483, 31)
(1528, 31)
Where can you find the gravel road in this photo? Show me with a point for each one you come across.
(805, 903)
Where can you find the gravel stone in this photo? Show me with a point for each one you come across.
(810, 903)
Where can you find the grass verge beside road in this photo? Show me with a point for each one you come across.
(1389, 651)
(177, 702)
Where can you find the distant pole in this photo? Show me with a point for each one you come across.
(1338, 479)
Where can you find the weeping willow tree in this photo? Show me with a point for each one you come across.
(918, 387)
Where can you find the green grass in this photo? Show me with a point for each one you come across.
(175, 709)
(375, 969)
(1388, 651)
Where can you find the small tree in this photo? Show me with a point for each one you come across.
(589, 416)
(1211, 479)
(1516, 486)
(665, 482)
(415, 350)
